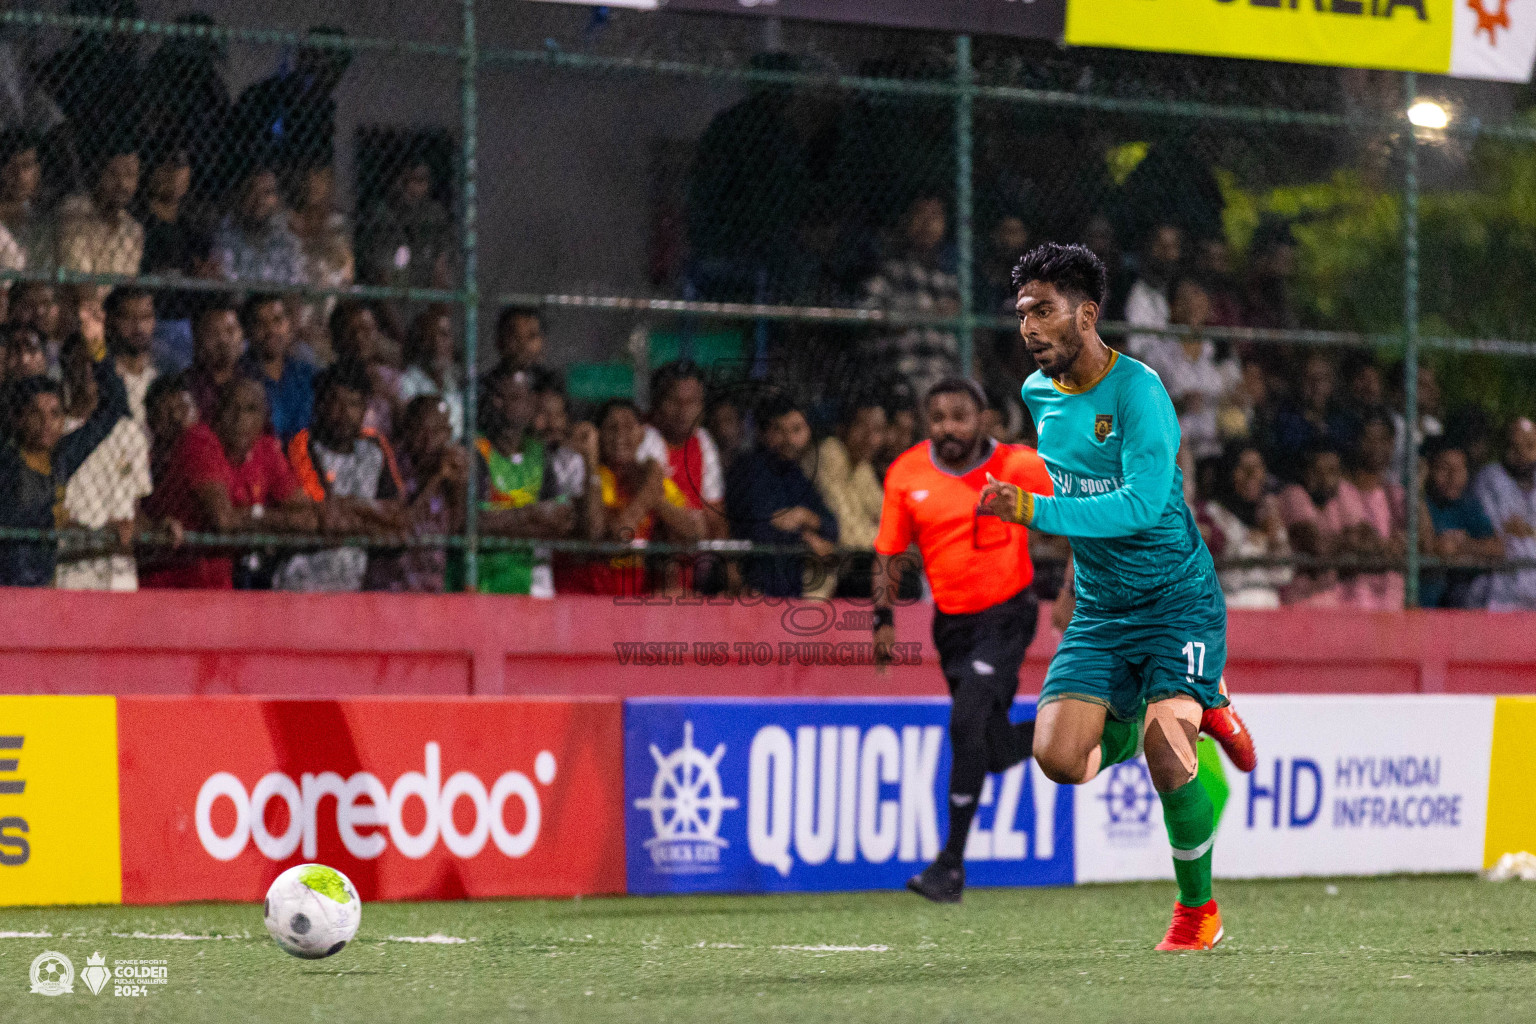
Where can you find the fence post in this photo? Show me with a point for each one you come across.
(964, 226)
(1411, 330)
(470, 287)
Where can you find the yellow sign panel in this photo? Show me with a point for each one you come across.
(59, 838)
(1406, 35)
(1512, 780)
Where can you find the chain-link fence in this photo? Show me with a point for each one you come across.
(283, 295)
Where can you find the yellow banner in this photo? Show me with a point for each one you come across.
(59, 839)
(1404, 35)
(1512, 780)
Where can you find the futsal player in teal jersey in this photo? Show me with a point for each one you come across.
(1141, 663)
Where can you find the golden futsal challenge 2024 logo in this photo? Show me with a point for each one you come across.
(53, 974)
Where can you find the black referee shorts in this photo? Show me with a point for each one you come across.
(984, 650)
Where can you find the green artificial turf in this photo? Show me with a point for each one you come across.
(1445, 950)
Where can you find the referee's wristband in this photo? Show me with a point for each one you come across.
(885, 617)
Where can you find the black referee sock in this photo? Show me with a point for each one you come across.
(968, 773)
(962, 808)
(1007, 747)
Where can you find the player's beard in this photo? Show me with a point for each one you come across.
(1066, 350)
(956, 450)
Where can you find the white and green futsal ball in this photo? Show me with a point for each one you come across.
(312, 911)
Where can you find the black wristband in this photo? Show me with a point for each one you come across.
(885, 617)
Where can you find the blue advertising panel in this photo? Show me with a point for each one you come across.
(752, 795)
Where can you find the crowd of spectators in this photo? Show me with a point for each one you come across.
(365, 460)
(1295, 475)
(110, 164)
(371, 463)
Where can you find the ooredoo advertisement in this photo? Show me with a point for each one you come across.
(411, 799)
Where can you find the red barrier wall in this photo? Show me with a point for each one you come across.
(187, 642)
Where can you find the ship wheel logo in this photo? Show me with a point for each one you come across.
(1490, 21)
(686, 805)
(1128, 794)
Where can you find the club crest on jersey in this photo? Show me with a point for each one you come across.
(1102, 425)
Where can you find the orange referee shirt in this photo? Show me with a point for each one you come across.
(973, 562)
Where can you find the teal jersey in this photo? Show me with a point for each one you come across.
(1111, 450)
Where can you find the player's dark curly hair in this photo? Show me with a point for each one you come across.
(1073, 269)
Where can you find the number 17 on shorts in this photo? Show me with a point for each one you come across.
(1194, 653)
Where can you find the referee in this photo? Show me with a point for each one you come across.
(979, 570)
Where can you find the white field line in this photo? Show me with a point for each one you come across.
(176, 936)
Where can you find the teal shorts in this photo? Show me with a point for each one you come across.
(1174, 646)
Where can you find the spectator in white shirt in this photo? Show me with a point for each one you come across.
(104, 493)
(131, 338)
(1507, 491)
(1197, 382)
(552, 422)
(1429, 425)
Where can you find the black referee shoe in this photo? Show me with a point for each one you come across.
(939, 883)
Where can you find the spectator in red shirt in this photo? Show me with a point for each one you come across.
(217, 344)
(638, 502)
(676, 439)
(226, 476)
(169, 407)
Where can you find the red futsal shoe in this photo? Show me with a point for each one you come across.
(1193, 928)
(1223, 725)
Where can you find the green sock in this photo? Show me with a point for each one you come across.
(1118, 742)
(1191, 822)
